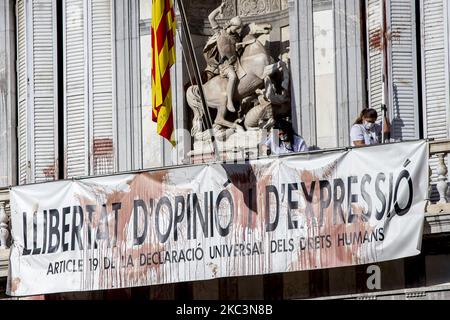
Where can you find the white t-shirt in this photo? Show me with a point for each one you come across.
(298, 145)
(370, 137)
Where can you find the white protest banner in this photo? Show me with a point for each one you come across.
(300, 212)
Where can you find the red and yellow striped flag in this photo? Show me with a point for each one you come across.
(163, 57)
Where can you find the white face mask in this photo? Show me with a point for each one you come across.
(368, 125)
(284, 137)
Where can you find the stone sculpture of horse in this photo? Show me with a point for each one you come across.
(255, 64)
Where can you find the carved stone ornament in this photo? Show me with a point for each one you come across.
(229, 10)
(245, 8)
(253, 7)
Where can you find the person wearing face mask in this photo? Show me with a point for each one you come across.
(366, 131)
(284, 140)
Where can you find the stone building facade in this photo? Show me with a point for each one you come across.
(76, 103)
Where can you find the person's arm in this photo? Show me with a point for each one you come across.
(387, 126)
(301, 145)
(359, 143)
(266, 146)
(213, 15)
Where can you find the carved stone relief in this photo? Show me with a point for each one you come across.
(232, 8)
(253, 7)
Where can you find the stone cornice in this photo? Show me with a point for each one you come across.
(4, 195)
(200, 26)
(437, 223)
(402, 294)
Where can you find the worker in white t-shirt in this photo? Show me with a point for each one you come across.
(366, 132)
(285, 140)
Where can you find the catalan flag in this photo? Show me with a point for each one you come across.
(163, 57)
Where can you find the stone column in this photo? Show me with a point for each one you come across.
(128, 85)
(439, 149)
(442, 185)
(178, 74)
(350, 70)
(302, 66)
(8, 138)
(4, 226)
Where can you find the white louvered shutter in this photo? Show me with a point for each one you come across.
(101, 75)
(76, 98)
(24, 174)
(435, 90)
(402, 98)
(403, 84)
(375, 53)
(45, 91)
(435, 83)
(88, 86)
(38, 95)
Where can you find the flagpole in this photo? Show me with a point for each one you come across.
(197, 75)
(384, 65)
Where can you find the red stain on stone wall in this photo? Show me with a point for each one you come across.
(103, 156)
(50, 172)
(375, 40)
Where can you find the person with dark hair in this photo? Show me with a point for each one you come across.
(285, 140)
(366, 131)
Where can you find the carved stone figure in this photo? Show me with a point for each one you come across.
(221, 52)
(245, 84)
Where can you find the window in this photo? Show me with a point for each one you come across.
(400, 36)
(153, 145)
(325, 73)
(79, 110)
(37, 91)
(88, 78)
(327, 58)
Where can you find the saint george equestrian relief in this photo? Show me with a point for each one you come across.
(247, 86)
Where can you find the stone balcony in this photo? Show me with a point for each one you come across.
(438, 211)
(4, 231)
(437, 215)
